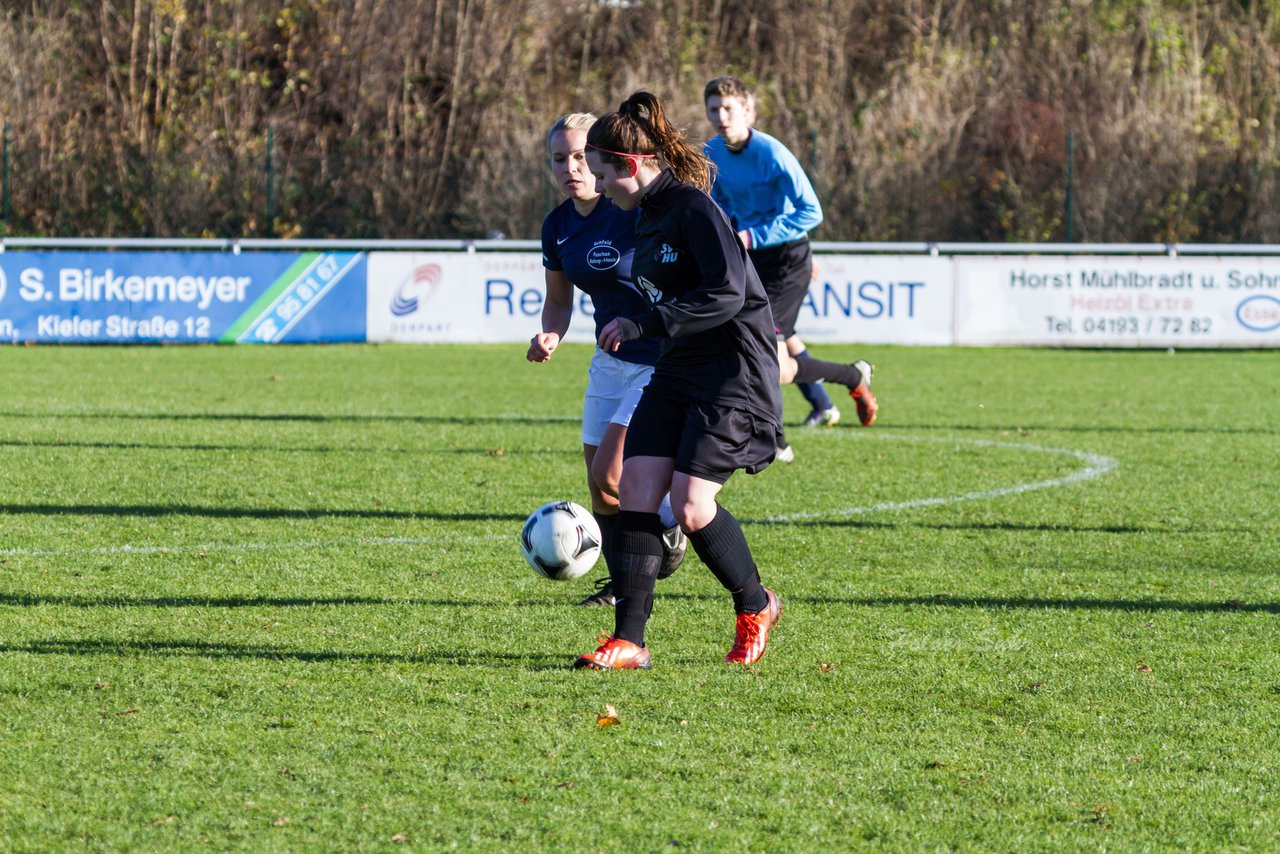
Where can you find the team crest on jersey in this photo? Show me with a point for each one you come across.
(649, 289)
(603, 255)
(667, 255)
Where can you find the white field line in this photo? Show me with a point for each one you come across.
(1096, 465)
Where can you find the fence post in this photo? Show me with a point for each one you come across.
(1071, 182)
(4, 186)
(813, 158)
(271, 181)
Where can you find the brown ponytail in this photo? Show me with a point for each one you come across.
(640, 127)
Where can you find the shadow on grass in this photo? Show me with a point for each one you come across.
(28, 600)
(1024, 430)
(208, 649)
(275, 449)
(158, 510)
(1040, 527)
(315, 418)
(1029, 603)
(146, 510)
(300, 417)
(995, 603)
(247, 512)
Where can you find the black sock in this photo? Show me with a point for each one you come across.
(811, 370)
(608, 529)
(813, 392)
(637, 557)
(724, 549)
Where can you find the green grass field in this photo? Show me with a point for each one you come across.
(272, 599)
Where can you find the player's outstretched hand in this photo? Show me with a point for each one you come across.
(617, 332)
(541, 346)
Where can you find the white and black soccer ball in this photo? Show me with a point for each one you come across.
(561, 540)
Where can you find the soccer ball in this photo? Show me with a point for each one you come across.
(561, 540)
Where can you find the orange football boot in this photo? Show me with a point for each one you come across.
(863, 399)
(752, 632)
(615, 654)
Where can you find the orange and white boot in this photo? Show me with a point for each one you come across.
(615, 654)
(751, 634)
(863, 399)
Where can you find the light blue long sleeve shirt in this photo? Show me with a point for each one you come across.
(764, 190)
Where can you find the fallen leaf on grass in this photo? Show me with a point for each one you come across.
(1133, 757)
(826, 667)
(101, 686)
(281, 821)
(609, 718)
(166, 820)
(496, 452)
(400, 837)
(1144, 668)
(132, 711)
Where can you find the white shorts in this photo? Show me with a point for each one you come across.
(613, 390)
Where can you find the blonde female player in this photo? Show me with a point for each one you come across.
(589, 242)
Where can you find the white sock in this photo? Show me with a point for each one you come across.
(666, 514)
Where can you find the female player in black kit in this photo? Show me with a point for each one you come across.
(712, 405)
(587, 242)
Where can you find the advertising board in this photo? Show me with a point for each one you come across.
(181, 297)
(1095, 301)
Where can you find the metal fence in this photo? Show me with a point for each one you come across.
(236, 245)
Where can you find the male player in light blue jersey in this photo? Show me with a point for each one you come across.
(770, 201)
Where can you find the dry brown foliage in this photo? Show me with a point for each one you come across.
(918, 120)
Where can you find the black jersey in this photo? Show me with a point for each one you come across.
(707, 299)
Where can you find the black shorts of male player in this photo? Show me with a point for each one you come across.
(785, 271)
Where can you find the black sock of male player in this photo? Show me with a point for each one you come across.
(608, 530)
(724, 549)
(813, 392)
(811, 370)
(637, 557)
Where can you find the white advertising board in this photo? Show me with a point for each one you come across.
(426, 297)
(1095, 301)
(879, 299)
(459, 297)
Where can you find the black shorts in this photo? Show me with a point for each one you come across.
(707, 440)
(785, 271)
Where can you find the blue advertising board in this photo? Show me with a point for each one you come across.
(182, 297)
